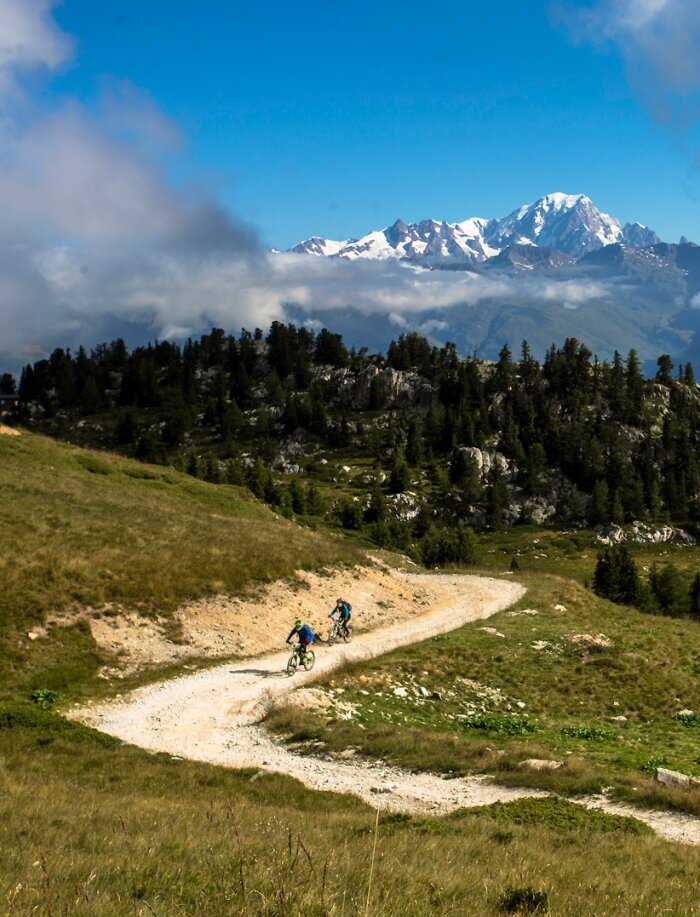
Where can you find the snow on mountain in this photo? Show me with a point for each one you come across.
(568, 223)
(318, 246)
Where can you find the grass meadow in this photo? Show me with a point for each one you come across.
(90, 826)
(477, 701)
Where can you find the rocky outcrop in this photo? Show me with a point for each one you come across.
(385, 387)
(486, 459)
(641, 533)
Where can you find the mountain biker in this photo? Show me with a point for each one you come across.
(303, 634)
(344, 610)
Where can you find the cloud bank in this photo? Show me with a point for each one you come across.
(96, 237)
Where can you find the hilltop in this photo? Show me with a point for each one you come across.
(412, 449)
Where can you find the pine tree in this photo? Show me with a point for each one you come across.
(7, 384)
(694, 604)
(615, 576)
(399, 476)
(376, 508)
(298, 497)
(496, 498)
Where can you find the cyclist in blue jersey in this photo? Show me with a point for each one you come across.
(302, 634)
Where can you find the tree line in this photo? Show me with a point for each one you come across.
(599, 439)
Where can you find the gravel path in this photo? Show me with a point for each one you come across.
(214, 716)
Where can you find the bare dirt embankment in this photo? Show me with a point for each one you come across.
(255, 624)
(214, 715)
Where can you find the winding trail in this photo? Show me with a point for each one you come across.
(214, 716)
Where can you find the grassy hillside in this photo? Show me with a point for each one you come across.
(88, 529)
(563, 676)
(89, 826)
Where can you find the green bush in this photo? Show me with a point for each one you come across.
(522, 901)
(587, 732)
(44, 698)
(503, 725)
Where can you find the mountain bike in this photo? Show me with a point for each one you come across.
(305, 659)
(340, 631)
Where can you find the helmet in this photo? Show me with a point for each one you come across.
(297, 624)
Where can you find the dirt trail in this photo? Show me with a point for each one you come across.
(214, 716)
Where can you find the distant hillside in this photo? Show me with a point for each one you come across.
(412, 448)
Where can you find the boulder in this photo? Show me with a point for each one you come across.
(672, 778)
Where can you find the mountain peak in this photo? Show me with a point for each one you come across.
(569, 223)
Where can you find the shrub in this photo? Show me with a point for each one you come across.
(587, 732)
(503, 725)
(44, 698)
(522, 901)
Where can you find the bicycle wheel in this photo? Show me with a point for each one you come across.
(347, 634)
(292, 664)
(332, 634)
(309, 659)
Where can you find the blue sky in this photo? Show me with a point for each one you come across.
(334, 118)
(151, 152)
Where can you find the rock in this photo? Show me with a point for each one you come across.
(541, 764)
(486, 460)
(641, 533)
(424, 691)
(618, 719)
(685, 712)
(672, 778)
(436, 695)
(560, 607)
(400, 692)
(589, 640)
(380, 789)
(520, 704)
(492, 631)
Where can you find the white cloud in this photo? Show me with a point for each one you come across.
(660, 42)
(93, 232)
(29, 38)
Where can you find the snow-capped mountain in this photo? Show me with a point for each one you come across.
(568, 223)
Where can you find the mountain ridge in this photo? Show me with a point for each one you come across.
(569, 223)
